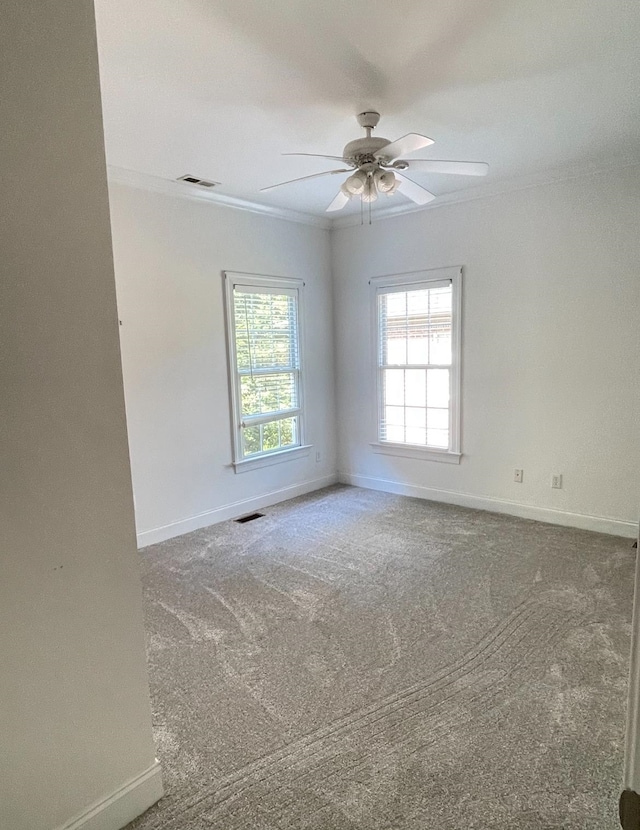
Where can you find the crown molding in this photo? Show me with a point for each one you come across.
(487, 190)
(184, 190)
(490, 189)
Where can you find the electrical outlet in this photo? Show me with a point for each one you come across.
(518, 475)
(556, 482)
(318, 457)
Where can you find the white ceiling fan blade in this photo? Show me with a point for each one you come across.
(407, 144)
(317, 156)
(414, 191)
(338, 203)
(304, 178)
(458, 168)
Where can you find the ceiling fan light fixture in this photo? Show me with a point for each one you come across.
(370, 192)
(396, 185)
(385, 181)
(356, 183)
(376, 166)
(344, 189)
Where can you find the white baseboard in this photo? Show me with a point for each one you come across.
(231, 511)
(126, 803)
(600, 524)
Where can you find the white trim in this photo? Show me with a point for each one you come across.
(250, 282)
(184, 190)
(599, 524)
(245, 279)
(267, 459)
(631, 779)
(415, 451)
(122, 806)
(231, 511)
(489, 189)
(451, 274)
(421, 279)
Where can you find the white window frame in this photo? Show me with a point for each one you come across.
(233, 280)
(407, 282)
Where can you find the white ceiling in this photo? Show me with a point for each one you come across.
(220, 88)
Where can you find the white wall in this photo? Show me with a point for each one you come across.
(551, 348)
(169, 255)
(74, 708)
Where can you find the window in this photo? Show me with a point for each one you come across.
(263, 322)
(417, 324)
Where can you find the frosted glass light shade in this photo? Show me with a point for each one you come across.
(385, 181)
(370, 193)
(356, 183)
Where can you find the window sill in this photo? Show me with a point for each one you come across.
(423, 453)
(271, 458)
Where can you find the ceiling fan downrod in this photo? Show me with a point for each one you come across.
(368, 120)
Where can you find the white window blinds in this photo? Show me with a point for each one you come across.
(414, 364)
(267, 368)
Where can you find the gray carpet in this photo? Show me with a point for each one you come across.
(361, 660)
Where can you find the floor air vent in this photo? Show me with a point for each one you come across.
(249, 518)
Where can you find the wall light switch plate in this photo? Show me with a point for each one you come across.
(518, 476)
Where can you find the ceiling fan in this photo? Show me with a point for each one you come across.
(375, 165)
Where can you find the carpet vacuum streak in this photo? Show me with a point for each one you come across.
(329, 669)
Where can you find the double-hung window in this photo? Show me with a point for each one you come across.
(417, 324)
(263, 323)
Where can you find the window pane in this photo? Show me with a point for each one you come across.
(417, 347)
(438, 387)
(418, 302)
(394, 387)
(266, 330)
(438, 438)
(393, 311)
(394, 434)
(268, 393)
(267, 363)
(415, 327)
(251, 440)
(440, 325)
(415, 332)
(415, 416)
(440, 346)
(272, 436)
(394, 415)
(415, 381)
(438, 418)
(396, 349)
(396, 304)
(416, 436)
(289, 432)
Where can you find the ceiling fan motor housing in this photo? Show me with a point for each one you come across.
(362, 150)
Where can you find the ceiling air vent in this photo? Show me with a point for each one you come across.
(195, 180)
